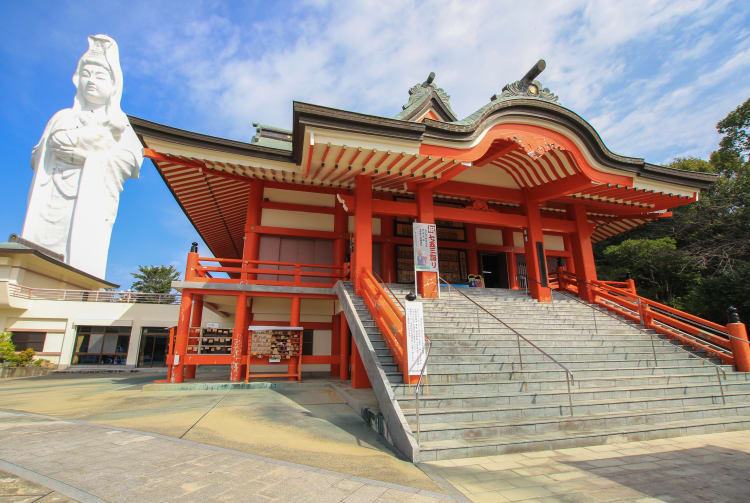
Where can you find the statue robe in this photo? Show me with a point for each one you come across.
(72, 208)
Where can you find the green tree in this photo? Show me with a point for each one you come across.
(709, 267)
(154, 278)
(7, 348)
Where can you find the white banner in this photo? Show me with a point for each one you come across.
(415, 342)
(425, 247)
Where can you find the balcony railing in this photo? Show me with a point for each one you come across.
(263, 272)
(25, 292)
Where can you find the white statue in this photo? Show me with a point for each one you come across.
(80, 164)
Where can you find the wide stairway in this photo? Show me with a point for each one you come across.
(480, 400)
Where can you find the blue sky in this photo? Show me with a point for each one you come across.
(653, 77)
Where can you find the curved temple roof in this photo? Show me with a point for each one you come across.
(522, 146)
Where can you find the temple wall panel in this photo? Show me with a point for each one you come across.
(297, 220)
(376, 226)
(518, 240)
(555, 243)
(299, 197)
(489, 236)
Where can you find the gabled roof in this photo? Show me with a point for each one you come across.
(426, 97)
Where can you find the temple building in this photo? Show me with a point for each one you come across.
(516, 189)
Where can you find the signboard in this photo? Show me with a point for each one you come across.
(415, 342)
(425, 247)
(277, 343)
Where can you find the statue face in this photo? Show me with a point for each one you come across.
(95, 83)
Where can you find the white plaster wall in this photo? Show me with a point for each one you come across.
(297, 220)
(555, 243)
(489, 236)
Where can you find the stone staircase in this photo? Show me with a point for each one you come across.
(479, 401)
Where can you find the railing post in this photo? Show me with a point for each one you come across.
(738, 342)
(561, 278)
(631, 284)
(192, 263)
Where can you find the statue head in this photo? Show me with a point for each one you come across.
(98, 77)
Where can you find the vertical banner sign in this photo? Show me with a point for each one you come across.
(425, 247)
(415, 342)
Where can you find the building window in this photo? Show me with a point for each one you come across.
(452, 263)
(25, 340)
(307, 342)
(101, 345)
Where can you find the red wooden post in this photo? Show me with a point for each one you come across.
(511, 259)
(570, 263)
(362, 228)
(246, 337)
(536, 259)
(344, 349)
(561, 278)
(583, 254)
(196, 320)
(335, 343)
(240, 327)
(294, 321)
(739, 341)
(252, 220)
(471, 252)
(341, 229)
(427, 282)
(359, 374)
(181, 339)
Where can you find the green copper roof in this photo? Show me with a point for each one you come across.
(419, 94)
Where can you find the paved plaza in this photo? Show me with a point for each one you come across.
(95, 439)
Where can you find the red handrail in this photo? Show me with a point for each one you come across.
(246, 271)
(389, 319)
(668, 321)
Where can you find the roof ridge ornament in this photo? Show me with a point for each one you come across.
(418, 93)
(528, 87)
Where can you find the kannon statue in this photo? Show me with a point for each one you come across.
(80, 164)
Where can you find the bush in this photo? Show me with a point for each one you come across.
(7, 349)
(24, 358)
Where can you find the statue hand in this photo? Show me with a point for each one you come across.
(70, 155)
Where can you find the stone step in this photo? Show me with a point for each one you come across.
(462, 448)
(496, 402)
(472, 430)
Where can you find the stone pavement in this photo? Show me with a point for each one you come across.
(711, 468)
(19, 490)
(104, 463)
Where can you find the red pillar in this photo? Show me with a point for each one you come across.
(246, 337)
(181, 338)
(583, 254)
(344, 348)
(240, 328)
(738, 342)
(252, 220)
(335, 343)
(471, 252)
(427, 282)
(341, 229)
(196, 320)
(359, 374)
(536, 261)
(511, 259)
(387, 249)
(294, 321)
(362, 227)
(570, 264)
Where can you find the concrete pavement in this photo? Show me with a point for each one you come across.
(116, 465)
(712, 468)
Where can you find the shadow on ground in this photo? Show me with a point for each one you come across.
(705, 474)
(308, 424)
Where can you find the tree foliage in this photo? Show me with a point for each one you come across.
(154, 278)
(698, 260)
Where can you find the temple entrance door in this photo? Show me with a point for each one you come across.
(494, 270)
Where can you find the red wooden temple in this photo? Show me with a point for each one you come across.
(520, 188)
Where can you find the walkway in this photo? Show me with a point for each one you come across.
(100, 463)
(713, 468)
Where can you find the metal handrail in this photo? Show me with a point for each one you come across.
(419, 386)
(126, 296)
(569, 377)
(719, 370)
